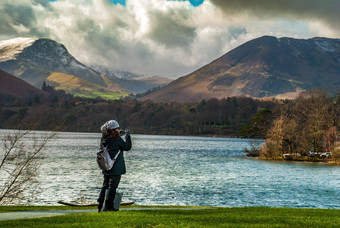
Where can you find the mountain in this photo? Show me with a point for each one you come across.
(263, 67)
(11, 86)
(34, 60)
(117, 73)
(135, 83)
(141, 85)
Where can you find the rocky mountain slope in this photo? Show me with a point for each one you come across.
(32, 60)
(263, 67)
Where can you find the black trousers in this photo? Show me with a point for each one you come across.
(111, 183)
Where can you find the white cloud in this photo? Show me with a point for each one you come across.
(156, 37)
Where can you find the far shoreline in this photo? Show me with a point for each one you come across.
(329, 162)
(132, 133)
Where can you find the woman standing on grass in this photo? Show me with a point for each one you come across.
(114, 143)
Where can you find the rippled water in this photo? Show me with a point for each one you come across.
(177, 170)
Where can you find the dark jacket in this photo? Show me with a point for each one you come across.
(113, 147)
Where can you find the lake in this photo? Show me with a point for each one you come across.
(181, 170)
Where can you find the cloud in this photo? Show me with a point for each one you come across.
(160, 37)
(323, 10)
(167, 28)
(16, 19)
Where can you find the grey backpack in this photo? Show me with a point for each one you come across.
(104, 160)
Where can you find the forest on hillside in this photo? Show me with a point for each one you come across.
(231, 117)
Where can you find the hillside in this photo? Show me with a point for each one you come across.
(263, 67)
(79, 87)
(33, 60)
(15, 87)
(135, 83)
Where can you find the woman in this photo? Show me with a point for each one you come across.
(114, 143)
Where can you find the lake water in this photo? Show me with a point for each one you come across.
(178, 170)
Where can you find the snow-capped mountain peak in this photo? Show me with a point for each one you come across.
(10, 48)
(46, 55)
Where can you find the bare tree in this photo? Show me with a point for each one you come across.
(274, 145)
(21, 157)
(314, 114)
(305, 123)
(253, 151)
(329, 138)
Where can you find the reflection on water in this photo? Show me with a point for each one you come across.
(177, 170)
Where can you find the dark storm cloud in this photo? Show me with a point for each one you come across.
(16, 16)
(324, 10)
(19, 20)
(168, 30)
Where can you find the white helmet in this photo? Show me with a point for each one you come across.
(111, 124)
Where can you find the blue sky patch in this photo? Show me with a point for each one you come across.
(122, 2)
(196, 2)
(192, 2)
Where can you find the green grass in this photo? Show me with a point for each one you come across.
(216, 217)
(102, 94)
(4, 209)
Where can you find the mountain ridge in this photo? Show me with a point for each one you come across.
(25, 55)
(263, 67)
(34, 59)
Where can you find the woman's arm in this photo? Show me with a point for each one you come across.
(125, 145)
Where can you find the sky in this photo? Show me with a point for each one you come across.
(168, 38)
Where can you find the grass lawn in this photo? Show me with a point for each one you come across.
(215, 217)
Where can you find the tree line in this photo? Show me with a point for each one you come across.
(307, 124)
(62, 112)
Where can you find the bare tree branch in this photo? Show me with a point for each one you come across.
(22, 153)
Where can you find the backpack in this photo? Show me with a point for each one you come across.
(104, 160)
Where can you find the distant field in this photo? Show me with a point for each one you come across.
(188, 217)
(102, 94)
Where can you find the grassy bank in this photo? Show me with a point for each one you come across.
(215, 217)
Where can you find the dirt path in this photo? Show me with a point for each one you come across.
(39, 214)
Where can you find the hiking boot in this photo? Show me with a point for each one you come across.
(100, 207)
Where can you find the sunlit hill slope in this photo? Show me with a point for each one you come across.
(34, 60)
(79, 87)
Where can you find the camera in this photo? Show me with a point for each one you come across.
(121, 132)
